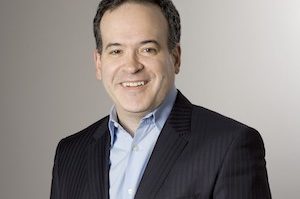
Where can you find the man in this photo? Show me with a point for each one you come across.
(155, 143)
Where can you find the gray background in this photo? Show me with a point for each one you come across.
(240, 58)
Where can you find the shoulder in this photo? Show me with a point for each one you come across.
(218, 128)
(213, 119)
(210, 125)
(83, 137)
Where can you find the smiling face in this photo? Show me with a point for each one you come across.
(135, 64)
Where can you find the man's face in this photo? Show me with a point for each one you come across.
(135, 65)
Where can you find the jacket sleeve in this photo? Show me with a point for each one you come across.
(243, 172)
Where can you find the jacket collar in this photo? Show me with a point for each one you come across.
(170, 144)
(98, 162)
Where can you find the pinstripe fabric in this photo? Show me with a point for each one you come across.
(199, 155)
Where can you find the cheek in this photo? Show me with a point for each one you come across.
(159, 67)
(167, 69)
(109, 70)
(107, 79)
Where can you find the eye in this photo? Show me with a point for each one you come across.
(115, 52)
(150, 51)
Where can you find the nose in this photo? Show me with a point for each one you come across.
(132, 63)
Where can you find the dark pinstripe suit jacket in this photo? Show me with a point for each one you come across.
(199, 155)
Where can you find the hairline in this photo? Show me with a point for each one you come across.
(140, 3)
(170, 42)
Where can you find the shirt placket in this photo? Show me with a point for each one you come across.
(133, 170)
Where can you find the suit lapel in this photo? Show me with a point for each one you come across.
(98, 163)
(171, 142)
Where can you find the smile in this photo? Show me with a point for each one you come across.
(133, 84)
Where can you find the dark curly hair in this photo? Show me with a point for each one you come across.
(167, 7)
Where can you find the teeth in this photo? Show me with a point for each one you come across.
(133, 84)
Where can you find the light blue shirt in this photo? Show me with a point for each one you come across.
(130, 155)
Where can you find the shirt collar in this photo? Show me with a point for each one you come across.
(162, 112)
(158, 116)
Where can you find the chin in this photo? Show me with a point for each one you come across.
(137, 108)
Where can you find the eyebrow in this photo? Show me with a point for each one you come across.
(112, 44)
(142, 42)
(150, 41)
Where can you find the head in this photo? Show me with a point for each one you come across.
(167, 8)
(137, 55)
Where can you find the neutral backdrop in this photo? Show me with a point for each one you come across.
(240, 58)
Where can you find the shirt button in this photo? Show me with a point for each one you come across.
(130, 191)
(135, 148)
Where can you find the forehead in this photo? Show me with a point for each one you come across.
(134, 21)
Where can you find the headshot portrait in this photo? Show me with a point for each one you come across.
(150, 99)
(154, 143)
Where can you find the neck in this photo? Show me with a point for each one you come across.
(130, 122)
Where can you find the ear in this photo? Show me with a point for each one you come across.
(176, 53)
(97, 60)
